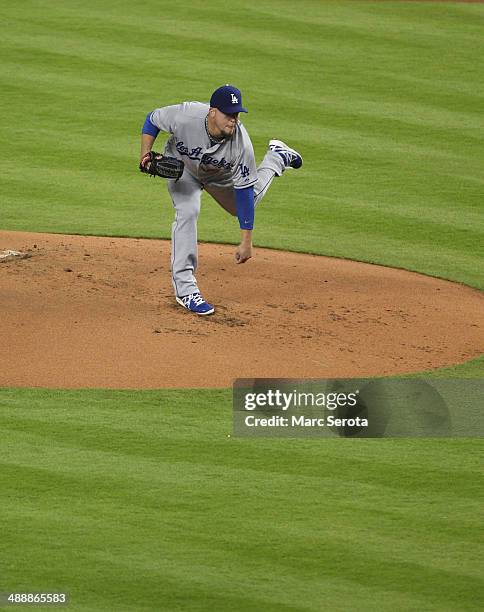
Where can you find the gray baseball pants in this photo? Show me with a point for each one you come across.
(186, 197)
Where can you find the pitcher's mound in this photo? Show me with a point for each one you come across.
(100, 312)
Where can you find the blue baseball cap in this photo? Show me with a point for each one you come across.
(227, 99)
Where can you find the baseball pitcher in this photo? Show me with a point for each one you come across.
(209, 149)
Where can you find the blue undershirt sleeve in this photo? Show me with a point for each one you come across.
(149, 128)
(244, 200)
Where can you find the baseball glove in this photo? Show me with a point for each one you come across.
(156, 164)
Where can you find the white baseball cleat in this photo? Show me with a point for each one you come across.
(290, 157)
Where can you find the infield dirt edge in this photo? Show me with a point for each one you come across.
(99, 312)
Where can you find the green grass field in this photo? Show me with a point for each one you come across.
(139, 500)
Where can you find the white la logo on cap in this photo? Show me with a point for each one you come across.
(234, 98)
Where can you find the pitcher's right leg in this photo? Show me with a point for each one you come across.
(278, 158)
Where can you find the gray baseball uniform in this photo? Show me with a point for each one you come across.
(218, 166)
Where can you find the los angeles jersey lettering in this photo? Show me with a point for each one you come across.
(228, 163)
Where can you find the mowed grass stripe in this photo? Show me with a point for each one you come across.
(152, 496)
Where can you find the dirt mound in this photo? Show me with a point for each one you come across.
(99, 312)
